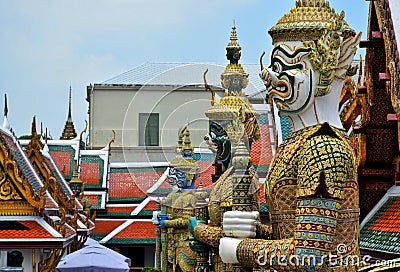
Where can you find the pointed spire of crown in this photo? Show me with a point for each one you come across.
(233, 48)
(187, 149)
(233, 43)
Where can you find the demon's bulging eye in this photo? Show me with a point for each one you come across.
(276, 67)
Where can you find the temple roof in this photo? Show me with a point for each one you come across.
(133, 231)
(380, 230)
(185, 74)
(31, 232)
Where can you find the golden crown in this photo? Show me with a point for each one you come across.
(309, 20)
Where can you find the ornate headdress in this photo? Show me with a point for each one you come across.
(234, 69)
(317, 24)
(186, 163)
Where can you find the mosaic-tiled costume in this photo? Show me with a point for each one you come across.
(311, 189)
(177, 208)
(312, 195)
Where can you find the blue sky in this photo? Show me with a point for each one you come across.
(48, 46)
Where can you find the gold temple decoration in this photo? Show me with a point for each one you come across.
(309, 20)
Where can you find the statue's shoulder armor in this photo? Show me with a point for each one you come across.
(325, 161)
(222, 191)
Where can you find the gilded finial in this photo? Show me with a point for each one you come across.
(83, 131)
(41, 129)
(5, 105)
(46, 137)
(208, 88)
(112, 140)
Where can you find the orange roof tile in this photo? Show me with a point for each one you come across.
(150, 206)
(133, 184)
(18, 229)
(390, 219)
(206, 171)
(94, 199)
(63, 160)
(138, 230)
(89, 173)
(69, 231)
(261, 152)
(106, 226)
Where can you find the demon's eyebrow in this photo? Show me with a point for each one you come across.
(287, 54)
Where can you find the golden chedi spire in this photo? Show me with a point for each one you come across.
(69, 129)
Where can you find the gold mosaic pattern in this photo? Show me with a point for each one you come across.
(305, 153)
(307, 21)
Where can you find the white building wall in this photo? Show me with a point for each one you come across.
(118, 107)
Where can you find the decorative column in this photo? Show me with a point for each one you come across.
(242, 196)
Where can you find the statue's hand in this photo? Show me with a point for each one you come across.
(194, 244)
(193, 222)
(162, 217)
(240, 224)
(155, 219)
(227, 249)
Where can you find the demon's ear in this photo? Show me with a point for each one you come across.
(347, 51)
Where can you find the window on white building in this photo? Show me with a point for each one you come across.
(149, 129)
